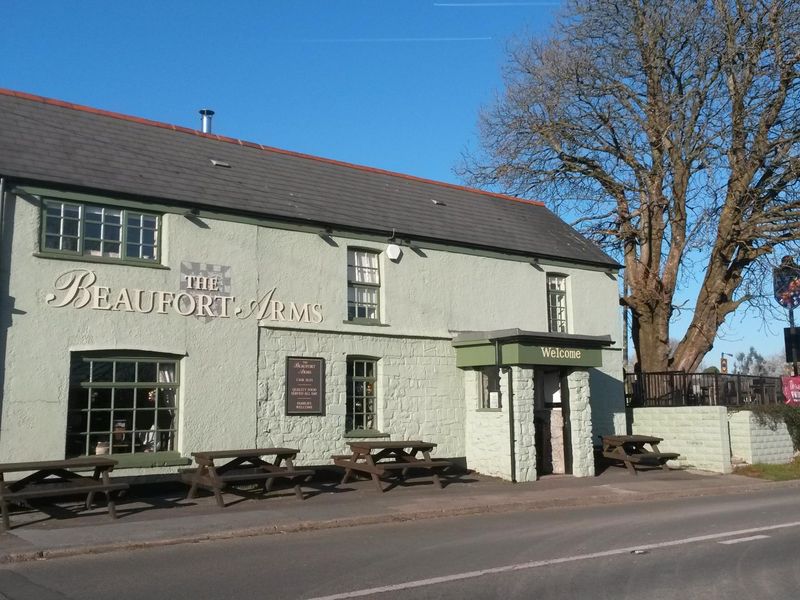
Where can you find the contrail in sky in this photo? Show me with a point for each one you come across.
(485, 4)
(389, 40)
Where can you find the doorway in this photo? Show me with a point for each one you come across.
(551, 421)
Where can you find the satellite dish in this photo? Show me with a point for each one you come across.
(393, 251)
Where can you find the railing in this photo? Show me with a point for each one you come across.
(700, 389)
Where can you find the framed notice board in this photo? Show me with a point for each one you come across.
(305, 386)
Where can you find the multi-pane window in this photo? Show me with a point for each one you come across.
(121, 405)
(557, 303)
(361, 389)
(363, 285)
(101, 231)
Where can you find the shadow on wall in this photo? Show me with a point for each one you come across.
(608, 405)
(7, 310)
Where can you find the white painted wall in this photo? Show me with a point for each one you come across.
(418, 392)
(759, 444)
(231, 394)
(486, 433)
(580, 416)
(698, 433)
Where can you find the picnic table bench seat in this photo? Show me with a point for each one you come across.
(56, 490)
(375, 459)
(245, 466)
(57, 479)
(653, 457)
(250, 474)
(632, 450)
(380, 468)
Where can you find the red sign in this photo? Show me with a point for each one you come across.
(791, 389)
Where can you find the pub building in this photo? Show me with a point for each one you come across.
(166, 290)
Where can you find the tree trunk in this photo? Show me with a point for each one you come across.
(650, 333)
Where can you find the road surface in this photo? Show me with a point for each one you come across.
(738, 546)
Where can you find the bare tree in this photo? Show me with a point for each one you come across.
(670, 130)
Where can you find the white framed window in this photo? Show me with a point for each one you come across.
(362, 382)
(121, 404)
(557, 303)
(363, 285)
(99, 231)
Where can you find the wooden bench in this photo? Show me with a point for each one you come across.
(58, 478)
(657, 458)
(377, 458)
(632, 450)
(245, 466)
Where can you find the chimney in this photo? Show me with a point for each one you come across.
(205, 119)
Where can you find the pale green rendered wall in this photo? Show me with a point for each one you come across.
(754, 443)
(423, 298)
(698, 433)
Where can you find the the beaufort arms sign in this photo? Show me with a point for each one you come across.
(201, 296)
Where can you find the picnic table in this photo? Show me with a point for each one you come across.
(632, 450)
(377, 458)
(56, 478)
(244, 466)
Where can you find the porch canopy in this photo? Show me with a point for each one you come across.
(508, 347)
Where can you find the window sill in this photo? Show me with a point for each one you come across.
(144, 460)
(489, 410)
(102, 260)
(368, 322)
(365, 433)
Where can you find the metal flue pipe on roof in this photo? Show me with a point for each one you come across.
(205, 119)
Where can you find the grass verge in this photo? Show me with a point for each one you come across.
(772, 472)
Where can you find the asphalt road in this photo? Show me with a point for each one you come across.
(741, 546)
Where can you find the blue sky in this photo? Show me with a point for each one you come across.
(394, 84)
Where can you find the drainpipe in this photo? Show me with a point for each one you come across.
(512, 442)
(3, 301)
(2, 205)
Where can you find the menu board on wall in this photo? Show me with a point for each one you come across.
(305, 386)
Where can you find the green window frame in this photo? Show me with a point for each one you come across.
(100, 232)
(362, 394)
(122, 404)
(363, 285)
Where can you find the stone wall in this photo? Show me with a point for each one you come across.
(754, 443)
(486, 430)
(580, 414)
(420, 392)
(525, 442)
(698, 433)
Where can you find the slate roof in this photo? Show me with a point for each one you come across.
(53, 142)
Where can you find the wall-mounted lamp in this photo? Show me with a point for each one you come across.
(192, 212)
(534, 262)
(394, 252)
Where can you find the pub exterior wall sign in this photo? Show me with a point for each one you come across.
(305, 386)
(201, 296)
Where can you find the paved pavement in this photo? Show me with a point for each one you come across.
(160, 515)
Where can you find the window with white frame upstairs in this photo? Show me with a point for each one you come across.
(557, 303)
(363, 285)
